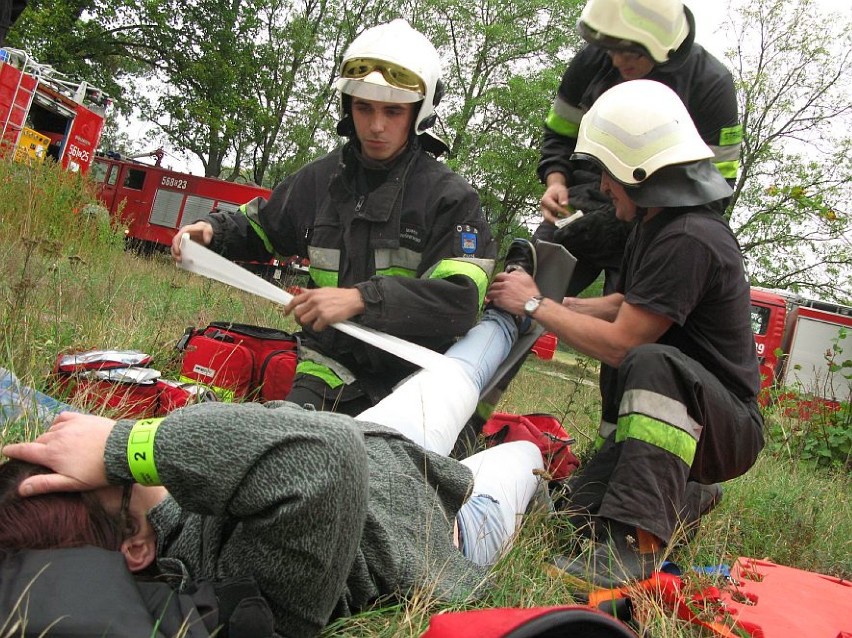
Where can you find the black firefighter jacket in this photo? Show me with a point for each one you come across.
(411, 237)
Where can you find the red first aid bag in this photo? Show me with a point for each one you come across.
(127, 393)
(544, 430)
(240, 361)
(120, 382)
(535, 622)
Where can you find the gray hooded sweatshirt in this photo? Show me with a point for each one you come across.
(327, 514)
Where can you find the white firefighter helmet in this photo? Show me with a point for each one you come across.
(655, 28)
(641, 133)
(393, 63)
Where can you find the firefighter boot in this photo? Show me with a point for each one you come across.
(699, 500)
(627, 555)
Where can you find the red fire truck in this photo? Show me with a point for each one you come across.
(804, 346)
(44, 114)
(152, 202)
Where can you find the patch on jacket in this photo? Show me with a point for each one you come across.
(412, 237)
(467, 239)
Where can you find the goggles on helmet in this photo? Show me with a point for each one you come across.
(595, 37)
(395, 75)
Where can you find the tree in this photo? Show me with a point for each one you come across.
(207, 73)
(503, 61)
(791, 206)
(92, 40)
(288, 134)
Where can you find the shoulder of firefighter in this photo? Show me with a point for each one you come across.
(450, 234)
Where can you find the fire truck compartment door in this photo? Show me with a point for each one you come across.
(166, 208)
(807, 364)
(54, 106)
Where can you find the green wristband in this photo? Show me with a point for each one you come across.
(140, 452)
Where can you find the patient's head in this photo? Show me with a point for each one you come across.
(67, 519)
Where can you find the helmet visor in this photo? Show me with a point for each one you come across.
(395, 75)
(374, 87)
(608, 42)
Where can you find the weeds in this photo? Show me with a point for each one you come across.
(812, 432)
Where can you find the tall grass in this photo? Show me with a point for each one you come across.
(66, 283)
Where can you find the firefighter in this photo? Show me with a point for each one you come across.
(396, 240)
(681, 410)
(627, 40)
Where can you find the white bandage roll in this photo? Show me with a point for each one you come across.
(504, 479)
(430, 407)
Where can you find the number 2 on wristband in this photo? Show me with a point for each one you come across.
(140, 452)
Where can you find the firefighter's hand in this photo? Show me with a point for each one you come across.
(73, 448)
(554, 202)
(511, 290)
(318, 308)
(199, 232)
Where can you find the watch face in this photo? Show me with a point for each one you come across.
(531, 305)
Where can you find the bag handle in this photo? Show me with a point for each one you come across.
(258, 332)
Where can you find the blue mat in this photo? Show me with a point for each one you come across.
(20, 402)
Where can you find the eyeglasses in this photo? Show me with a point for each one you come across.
(124, 513)
(396, 75)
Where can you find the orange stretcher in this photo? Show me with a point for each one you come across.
(785, 602)
(758, 600)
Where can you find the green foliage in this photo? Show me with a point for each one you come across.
(791, 203)
(92, 40)
(834, 357)
(208, 68)
(831, 441)
(813, 432)
(503, 61)
(803, 428)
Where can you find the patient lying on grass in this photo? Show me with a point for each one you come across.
(323, 512)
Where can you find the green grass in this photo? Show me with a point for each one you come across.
(78, 288)
(66, 283)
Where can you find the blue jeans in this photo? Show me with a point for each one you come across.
(481, 351)
(502, 488)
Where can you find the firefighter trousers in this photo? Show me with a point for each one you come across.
(676, 424)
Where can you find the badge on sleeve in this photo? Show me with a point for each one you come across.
(468, 239)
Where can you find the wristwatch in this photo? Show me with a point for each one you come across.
(532, 305)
